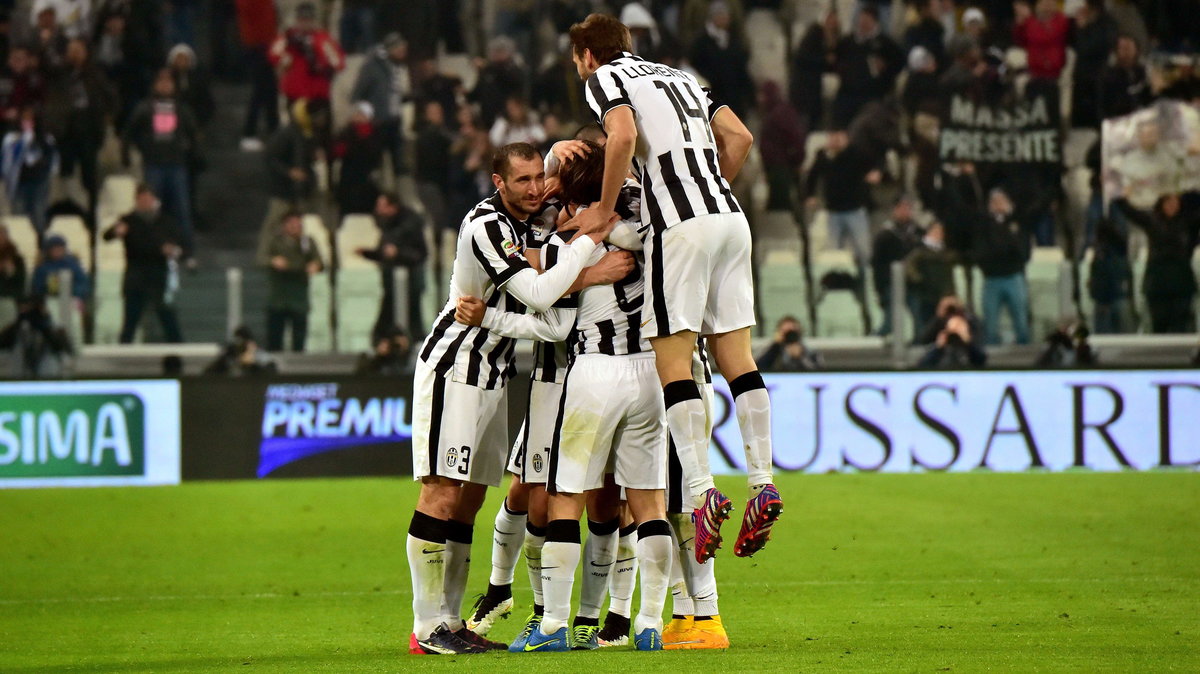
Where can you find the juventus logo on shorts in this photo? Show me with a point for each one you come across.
(537, 462)
(451, 457)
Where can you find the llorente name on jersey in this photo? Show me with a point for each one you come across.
(643, 69)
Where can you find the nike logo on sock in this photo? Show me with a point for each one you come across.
(547, 568)
(504, 533)
(429, 552)
(627, 559)
(601, 565)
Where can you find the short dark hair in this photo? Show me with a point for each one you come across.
(871, 10)
(581, 179)
(601, 34)
(289, 214)
(591, 131)
(391, 197)
(502, 159)
(144, 188)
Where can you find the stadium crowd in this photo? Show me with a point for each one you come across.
(82, 77)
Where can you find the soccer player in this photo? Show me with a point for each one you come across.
(459, 407)
(611, 412)
(520, 523)
(685, 149)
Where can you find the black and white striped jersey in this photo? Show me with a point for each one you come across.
(609, 318)
(676, 154)
(490, 264)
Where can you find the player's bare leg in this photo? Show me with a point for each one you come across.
(687, 419)
(731, 350)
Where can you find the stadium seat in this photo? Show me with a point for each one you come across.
(768, 49)
(79, 239)
(838, 311)
(341, 88)
(359, 289)
(1043, 274)
(24, 237)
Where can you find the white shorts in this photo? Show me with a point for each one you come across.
(698, 277)
(530, 455)
(611, 419)
(459, 431)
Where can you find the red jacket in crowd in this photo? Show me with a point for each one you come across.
(1045, 42)
(257, 23)
(309, 60)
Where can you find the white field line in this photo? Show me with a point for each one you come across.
(772, 584)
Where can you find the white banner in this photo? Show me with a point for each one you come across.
(89, 434)
(958, 421)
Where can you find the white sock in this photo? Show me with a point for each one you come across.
(535, 538)
(681, 601)
(700, 579)
(560, 558)
(624, 573)
(599, 552)
(688, 421)
(426, 565)
(754, 418)
(458, 566)
(507, 537)
(654, 550)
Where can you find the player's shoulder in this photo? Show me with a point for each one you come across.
(543, 224)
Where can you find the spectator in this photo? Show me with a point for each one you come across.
(1124, 85)
(1094, 35)
(389, 357)
(868, 62)
(384, 82)
(151, 265)
(844, 174)
(401, 244)
(928, 31)
(357, 25)
(921, 91)
(558, 89)
(21, 86)
(500, 76)
(643, 31)
(516, 19)
(784, 155)
(164, 131)
(720, 56)
(242, 357)
(191, 83)
(56, 259)
(73, 17)
(694, 14)
(257, 25)
(1110, 280)
(1149, 171)
(81, 105)
(113, 48)
(954, 348)
(1001, 252)
(788, 352)
(1169, 282)
(359, 146)
(518, 125)
(900, 236)
(1043, 33)
(469, 163)
(815, 55)
(49, 42)
(431, 85)
(307, 57)
(294, 258)
(929, 269)
(1067, 347)
(12, 277)
(290, 156)
(37, 346)
(433, 163)
(29, 159)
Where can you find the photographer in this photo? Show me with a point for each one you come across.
(390, 354)
(242, 357)
(787, 352)
(949, 306)
(954, 348)
(1067, 347)
(37, 346)
(307, 57)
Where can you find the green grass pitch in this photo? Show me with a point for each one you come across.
(924, 573)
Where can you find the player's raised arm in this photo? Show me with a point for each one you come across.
(733, 142)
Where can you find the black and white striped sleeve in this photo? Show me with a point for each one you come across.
(550, 253)
(605, 91)
(497, 252)
(714, 103)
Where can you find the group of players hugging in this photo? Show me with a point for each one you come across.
(615, 254)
